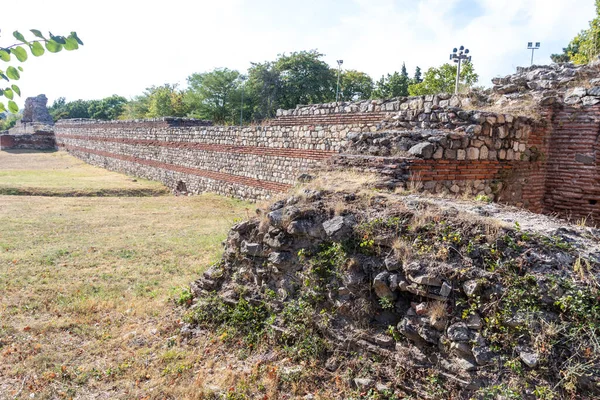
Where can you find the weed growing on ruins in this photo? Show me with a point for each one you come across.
(242, 320)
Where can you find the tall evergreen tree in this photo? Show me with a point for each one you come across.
(417, 78)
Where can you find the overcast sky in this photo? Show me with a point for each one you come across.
(131, 45)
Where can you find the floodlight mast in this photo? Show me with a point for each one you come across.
(533, 48)
(243, 79)
(337, 90)
(458, 55)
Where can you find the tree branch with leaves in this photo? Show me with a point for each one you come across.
(37, 47)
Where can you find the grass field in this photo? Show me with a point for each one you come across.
(23, 172)
(87, 283)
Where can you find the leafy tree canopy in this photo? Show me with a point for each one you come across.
(37, 46)
(355, 85)
(263, 90)
(109, 108)
(305, 79)
(584, 47)
(214, 95)
(442, 80)
(393, 85)
(7, 120)
(156, 102)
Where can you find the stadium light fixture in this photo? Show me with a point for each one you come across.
(458, 55)
(533, 48)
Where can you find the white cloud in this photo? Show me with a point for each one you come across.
(132, 45)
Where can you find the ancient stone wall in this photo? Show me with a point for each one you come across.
(35, 141)
(448, 149)
(249, 162)
(424, 142)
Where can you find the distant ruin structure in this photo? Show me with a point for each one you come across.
(35, 130)
(36, 111)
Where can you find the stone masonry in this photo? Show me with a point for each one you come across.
(546, 164)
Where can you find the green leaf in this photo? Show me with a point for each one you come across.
(37, 49)
(4, 76)
(16, 89)
(8, 93)
(13, 107)
(4, 55)
(37, 33)
(74, 36)
(2, 108)
(58, 39)
(13, 73)
(20, 53)
(71, 44)
(20, 68)
(19, 36)
(53, 47)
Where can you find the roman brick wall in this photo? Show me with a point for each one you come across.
(35, 141)
(573, 171)
(248, 162)
(425, 142)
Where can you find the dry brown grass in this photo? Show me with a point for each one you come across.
(59, 174)
(86, 293)
(403, 250)
(437, 311)
(526, 107)
(346, 181)
(424, 217)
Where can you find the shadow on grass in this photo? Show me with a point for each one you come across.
(28, 151)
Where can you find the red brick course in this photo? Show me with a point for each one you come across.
(573, 172)
(241, 180)
(219, 148)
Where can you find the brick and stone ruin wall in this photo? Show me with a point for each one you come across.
(439, 144)
(35, 129)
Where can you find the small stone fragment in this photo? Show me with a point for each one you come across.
(252, 249)
(363, 383)
(471, 288)
(459, 332)
(445, 290)
(428, 280)
(421, 309)
(380, 285)
(530, 359)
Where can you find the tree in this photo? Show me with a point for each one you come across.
(155, 102)
(263, 90)
(166, 101)
(109, 108)
(394, 85)
(355, 85)
(53, 44)
(417, 78)
(584, 47)
(214, 95)
(138, 107)
(305, 79)
(442, 80)
(7, 121)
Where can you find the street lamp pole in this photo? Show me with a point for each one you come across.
(533, 48)
(242, 107)
(458, 55)
(337, 90)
